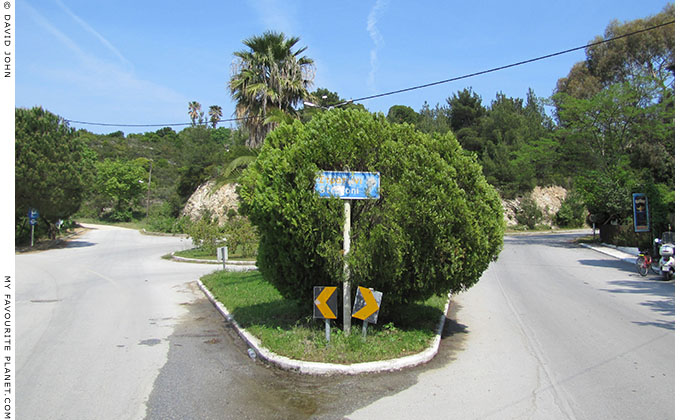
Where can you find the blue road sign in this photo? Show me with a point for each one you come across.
(640, 212)
(348, 185)
(33, 216)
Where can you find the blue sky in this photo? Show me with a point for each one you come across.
(141, 62)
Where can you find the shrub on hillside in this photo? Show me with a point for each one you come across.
(435, 229)
(572, 213)
(529, 213)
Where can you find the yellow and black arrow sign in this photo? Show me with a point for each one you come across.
(367, 303)
(325, 302)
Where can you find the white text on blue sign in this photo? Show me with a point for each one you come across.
(348, 185)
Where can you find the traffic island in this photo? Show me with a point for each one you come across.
(259, 350)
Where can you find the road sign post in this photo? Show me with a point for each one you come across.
(347, 325)
(33, 219)
(222, 254)
(367, 304)
(326, 306)
(347, 186)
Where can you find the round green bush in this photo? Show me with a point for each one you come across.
(435, 229)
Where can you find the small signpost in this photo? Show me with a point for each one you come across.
(326, 306)
(347, 186)
(640, 212)
(33, 219)
(367, 304)
(222, 254)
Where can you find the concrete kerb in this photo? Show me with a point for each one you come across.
(623, 254)
(319, 368)
(250, 265)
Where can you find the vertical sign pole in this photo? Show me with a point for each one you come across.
(346, 271)
(32, 235)
(328, 331)
(364, 330)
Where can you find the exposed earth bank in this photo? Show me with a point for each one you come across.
(218, 201)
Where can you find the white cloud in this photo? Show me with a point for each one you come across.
(97, 79)
(377, 38)
(274, 15)
(95, 33)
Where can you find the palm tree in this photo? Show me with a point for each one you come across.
(194, 110)
(215, 112)
(269, 76)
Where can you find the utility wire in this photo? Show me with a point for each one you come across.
(151, 125)
(394, 92)
(520, 63)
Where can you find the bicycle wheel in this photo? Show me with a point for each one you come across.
(642, 267)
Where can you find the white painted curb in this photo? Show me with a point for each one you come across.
(318, 368)
(248, 265)
(612, 252)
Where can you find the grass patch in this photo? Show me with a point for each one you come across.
(283, 327)
(201, 254)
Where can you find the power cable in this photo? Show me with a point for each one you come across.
(520, 63)
(150, 125)
(426, 85)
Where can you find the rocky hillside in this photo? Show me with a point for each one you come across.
(548, 199)
(218, 201)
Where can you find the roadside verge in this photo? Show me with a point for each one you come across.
(624, 254)
(319, 368)
(245, 265)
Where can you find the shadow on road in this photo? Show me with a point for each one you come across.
(555, 240)
(662, 298)
(610, 263)
(78, 244)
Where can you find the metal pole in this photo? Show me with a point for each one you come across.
(328, 330)
(346, 272)
(364, 330)
(148, 191)
(32, 235)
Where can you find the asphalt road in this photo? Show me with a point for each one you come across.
(108, 330)
(552, 331)
(93, 323)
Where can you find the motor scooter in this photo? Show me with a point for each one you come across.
(666, 263)
(667, 250)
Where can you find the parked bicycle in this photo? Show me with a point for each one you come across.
(665, 264)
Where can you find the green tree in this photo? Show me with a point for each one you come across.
(433, 120)
(603, 134)
(435, 229)
(270, 75)
(514, 141)
(120, 184)
(398, 114)
(194, 111)
(465, 109)
(648, 56)
(215, 113)
(52, 167)
(465, 114)
(324, 100)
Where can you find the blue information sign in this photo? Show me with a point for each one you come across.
(348, 185)
(640, 213)
(33, 216)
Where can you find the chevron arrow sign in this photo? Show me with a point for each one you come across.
(325, 302)
(367, 303)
